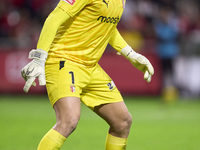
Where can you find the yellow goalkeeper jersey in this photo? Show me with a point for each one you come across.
(84, 37)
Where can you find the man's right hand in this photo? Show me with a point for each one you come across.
(34, 69)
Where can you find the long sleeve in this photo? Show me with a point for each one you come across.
(117, 41)
(57, 17)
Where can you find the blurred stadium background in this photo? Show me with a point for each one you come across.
(166, 112)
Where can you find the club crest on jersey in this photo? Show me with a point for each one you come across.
(71, 2)
(72, 88)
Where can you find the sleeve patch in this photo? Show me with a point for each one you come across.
(71, 2)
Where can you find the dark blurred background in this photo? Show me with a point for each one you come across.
(167, 32)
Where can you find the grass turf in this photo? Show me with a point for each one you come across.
(24, 119)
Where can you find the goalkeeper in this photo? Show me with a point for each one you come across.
(72, 41)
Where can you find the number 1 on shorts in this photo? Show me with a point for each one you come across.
(72, 75)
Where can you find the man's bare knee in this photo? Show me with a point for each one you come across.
(117, 116)
(122, 127)
(126, 125)
(67, 126)
(70, 123)
(67, 114)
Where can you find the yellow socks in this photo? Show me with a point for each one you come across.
(54, 140)
(115, 143)
(51, 141)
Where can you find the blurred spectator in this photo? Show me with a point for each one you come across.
(167, 32)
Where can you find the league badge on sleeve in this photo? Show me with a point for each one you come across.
(71, 2)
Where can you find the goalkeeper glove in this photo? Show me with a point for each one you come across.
(138, 61)
(34, 69)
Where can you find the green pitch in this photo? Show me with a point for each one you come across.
(156, 126)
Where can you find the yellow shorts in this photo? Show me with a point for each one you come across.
(92, 85)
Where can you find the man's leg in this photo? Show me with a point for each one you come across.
(120, 120)
(67, 114)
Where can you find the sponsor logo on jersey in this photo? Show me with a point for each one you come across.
(71, 2)
(108, 19)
